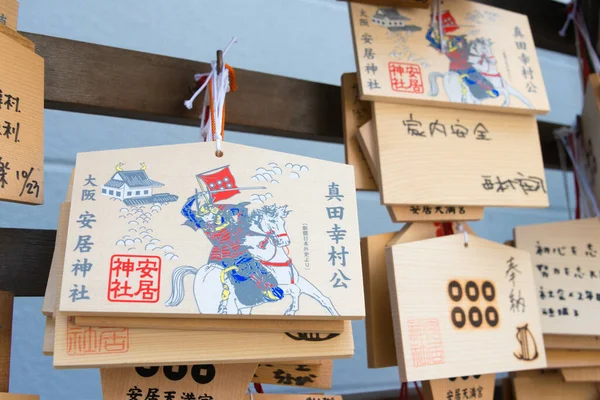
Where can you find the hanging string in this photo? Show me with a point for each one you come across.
(589, 198)
(585, 201)
(460, 227)
(563, 166)
(218, 83)
(404, 391)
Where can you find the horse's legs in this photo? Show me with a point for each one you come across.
(245, 311)
(511, 91)
(294, 291)
(309, 289)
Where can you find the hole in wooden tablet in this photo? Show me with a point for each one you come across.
(219, 153)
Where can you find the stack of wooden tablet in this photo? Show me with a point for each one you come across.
(117, 297)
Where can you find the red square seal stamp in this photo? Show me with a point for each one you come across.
(406, 77)
(134, 279)
(425, 341)
(85, 340)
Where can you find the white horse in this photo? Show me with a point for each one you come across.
(266, 239)
(482, 59)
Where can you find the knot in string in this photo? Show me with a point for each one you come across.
(213, 108)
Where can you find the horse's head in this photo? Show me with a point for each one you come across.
(271, 220)
(482, 47)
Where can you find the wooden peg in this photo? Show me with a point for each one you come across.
(219, 61)
(6, 312)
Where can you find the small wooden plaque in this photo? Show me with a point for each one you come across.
(422, 157)
(381, 349)
(367, 140)
(571, 342)
(298, 375)
(9, 13)
(462, 387)
(253, 230)
(566, 256)
(356, 112)
(590, 374)
(488, 60)
(122, 347)
(463, 310)
(21, 123)
(14, 396)
(6, 318)
(204, 382)
(552, 387)
(572, 358)
(206, 324)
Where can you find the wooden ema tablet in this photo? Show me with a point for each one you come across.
(299, 375)
(289, 222)
(572, 342)
(255, 325)
(463, 310)
(422, 157)
(589, 374)
(22, 123)
(566, 256)
(9, 13)
(381, 349)
(121, 347)
(458, 388)
(558, 358)
(552, 387)
(277, 396)
(590, 121)
(367, 140)
(395, 3)
(188, 382)
(76, 346)
(356, 113)
(488, 60)
(6, 313)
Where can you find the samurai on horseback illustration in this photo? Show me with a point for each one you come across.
(472, 75)
(248, 264)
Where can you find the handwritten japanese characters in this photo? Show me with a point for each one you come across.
(460, 388)
(182, 382)
(293, 374)
(484, 56)
(566, 258)
(452, 312)
(21, 123)
(250, 227)
(488, 160)
(403, 213)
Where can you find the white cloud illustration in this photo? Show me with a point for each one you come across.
(294, 175)
(260, 198)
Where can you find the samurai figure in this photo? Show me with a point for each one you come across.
(225, 226)
(458, 49)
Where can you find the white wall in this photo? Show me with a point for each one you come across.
(306, 39)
